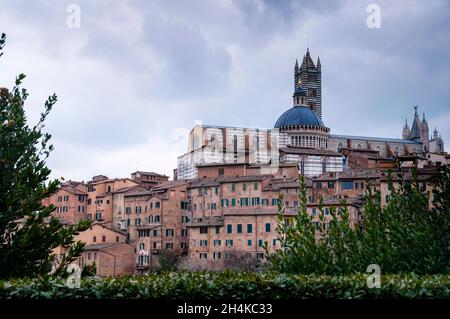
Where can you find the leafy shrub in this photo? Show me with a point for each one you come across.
(404, 236)
(229, 284)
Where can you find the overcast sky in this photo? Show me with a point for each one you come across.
(135, 76)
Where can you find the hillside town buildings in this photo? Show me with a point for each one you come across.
(220, 210)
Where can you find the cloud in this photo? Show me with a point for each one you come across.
(136, 73)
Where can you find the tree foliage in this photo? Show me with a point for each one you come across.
(405, 235)
(28, 233)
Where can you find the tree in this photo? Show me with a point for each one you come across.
(28, 232)
(406, 235)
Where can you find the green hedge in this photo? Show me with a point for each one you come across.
(228, 284)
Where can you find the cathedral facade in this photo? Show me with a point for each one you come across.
(299, 136)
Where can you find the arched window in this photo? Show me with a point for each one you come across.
(235, 147)
(302, 167)
(213, 137)
(396, 150)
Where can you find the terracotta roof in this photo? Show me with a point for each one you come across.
(170, 184)
(149, 173)
(128, 189)
(348, 175)
(73, 190)
(100, 246)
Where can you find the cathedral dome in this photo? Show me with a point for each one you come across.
(299, 116)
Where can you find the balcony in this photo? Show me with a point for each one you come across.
(207, 221)
(148, 225)
(142, 266)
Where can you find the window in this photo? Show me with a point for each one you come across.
(203, 256)
(157, 219)
(217, 242)
(157, 205)
(203, 230)
(260, 255)
(255, 186)
(203, 243)
(216, 190)
(347, 184)
(274, 201)
(229, 242)
(249, 242)
(265, 202)
(103, 239)
(267, 227)
(98, 216)
(184, 232)
(330, 184)
(169, 245)
(255, 201)
(233, 187)
(213, 206)
(169, 232)
(239, 228)
(233, 202)
(274, 242)
(217, 229)
(244, 187)
(89, 216)
(244, 201)
(128, 210)
(155, 233)
(260, 243)
(217, 255)
(138, 209)
(221, 171)
(327, 211)
(117, 239)
(224, 202)
(229, 228)
(128, 222)
(94, 239)
(137, 221)
(314, 211)
(249, 228)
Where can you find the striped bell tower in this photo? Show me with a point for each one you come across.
(310, 76)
